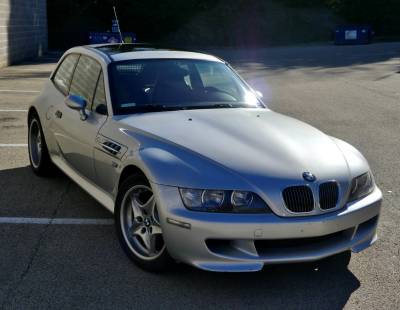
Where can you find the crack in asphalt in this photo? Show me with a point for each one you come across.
(41, 237)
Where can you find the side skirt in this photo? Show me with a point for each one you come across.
(92, 189)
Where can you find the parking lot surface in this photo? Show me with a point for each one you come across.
(58, 247)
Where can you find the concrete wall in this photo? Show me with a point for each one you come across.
(23, 30)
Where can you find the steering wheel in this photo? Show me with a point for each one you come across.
(216, 90)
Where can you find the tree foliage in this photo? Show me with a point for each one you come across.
(150, 19)
(382, 14)
(153, 19)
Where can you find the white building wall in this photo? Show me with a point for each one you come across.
(23, 30)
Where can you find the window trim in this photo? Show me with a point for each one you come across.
(95, 91)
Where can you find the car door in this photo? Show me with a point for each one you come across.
(76, 138)
(55, 93)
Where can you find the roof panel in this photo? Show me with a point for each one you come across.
(119, 52)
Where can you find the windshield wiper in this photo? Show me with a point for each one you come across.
(154, 107)
(214, 106)
(159, 107)
(223, 105)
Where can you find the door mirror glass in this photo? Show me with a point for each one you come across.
(75, 102)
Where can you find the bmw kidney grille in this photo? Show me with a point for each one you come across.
(328, 195)
(300, 198)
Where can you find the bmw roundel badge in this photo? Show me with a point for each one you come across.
(308, 176)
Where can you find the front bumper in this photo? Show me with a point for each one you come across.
(226, 242)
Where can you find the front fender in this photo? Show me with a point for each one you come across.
(167, 163)
(356, 162)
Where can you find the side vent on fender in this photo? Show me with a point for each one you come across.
(110, 146)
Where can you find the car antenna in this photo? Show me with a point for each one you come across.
(119, 30)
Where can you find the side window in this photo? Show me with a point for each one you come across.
(64, 72)
(99, 102)
(85, 78)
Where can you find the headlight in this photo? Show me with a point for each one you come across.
(361, 186)
(223, 201)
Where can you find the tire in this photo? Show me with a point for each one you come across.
(38, 153)
(138, 227)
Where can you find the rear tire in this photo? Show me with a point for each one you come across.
(38, 153)
(138, 226)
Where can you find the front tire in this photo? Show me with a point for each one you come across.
(138, 226)
(38, 153)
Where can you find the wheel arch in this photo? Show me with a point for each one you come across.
(32, 110)
(128, 171)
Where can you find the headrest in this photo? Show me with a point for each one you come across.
(173, 71)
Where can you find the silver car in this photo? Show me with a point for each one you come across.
(194, 167)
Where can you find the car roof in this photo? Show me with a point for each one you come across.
(130, 51)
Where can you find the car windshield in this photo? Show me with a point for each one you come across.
(140, 85)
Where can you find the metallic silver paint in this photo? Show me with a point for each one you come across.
(229, 149)
(189, 246)
(76, 103)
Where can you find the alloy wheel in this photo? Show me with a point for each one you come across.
(35, 143)
(140, 223)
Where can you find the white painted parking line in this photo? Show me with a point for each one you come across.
(20, 91)
(13, 110)
(12, 145)
(20, 78)
(46, 221)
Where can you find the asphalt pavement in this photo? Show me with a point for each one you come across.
(349, 92)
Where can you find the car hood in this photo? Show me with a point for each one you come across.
(267, 150)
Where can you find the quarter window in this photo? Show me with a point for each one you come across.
(64, 72)
(85, 79)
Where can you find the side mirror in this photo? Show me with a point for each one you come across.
(259, 94)
(75, 102)
(101, 109)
